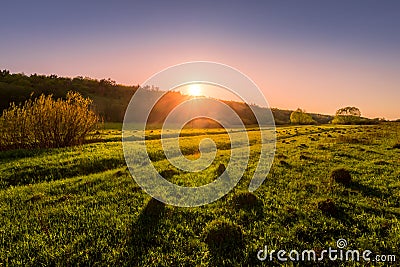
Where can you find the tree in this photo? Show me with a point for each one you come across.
(349, 111)
(348, 115)
(301, 117)
(4, 73)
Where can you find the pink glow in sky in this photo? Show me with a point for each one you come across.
(316, 57)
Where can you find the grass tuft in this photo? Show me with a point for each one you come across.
(245, 200)
(341, 176)
(328, 207)
(222, 235)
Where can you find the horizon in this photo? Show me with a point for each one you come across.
(315, 56)
(185, 90)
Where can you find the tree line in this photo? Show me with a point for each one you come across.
(109, 98)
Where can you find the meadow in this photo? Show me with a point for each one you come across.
(79, 206)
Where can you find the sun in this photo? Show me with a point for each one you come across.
(194, 90)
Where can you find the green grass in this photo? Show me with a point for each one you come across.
(80, 206)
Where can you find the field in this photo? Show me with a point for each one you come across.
(80, 206)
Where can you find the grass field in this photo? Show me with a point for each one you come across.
(79, 206)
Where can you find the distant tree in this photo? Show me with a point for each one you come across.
(349, 115)
(301, 117)
(349, 111)
(108, 82)
(4, 73)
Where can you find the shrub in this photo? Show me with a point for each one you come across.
(352, 120)
(47, 123)
(301, 117)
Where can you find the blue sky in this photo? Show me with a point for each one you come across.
(317, 55)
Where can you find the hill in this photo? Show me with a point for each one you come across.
(111, 99)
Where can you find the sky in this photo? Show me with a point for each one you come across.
(315, 55)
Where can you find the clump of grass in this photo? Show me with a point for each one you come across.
(304, 157)
(64, 198)
(246, 200)
(381, 162)
(396, 146)
(341, 176)
(119, 173)
(322, 147)
(303, 233)
(281, 156)
(289, 216)
(328, 207)
(284, 163)
(36, 197)
(222, 235)
(353, 140)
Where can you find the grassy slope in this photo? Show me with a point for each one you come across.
(79, 206)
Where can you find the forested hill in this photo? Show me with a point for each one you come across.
(110, 99)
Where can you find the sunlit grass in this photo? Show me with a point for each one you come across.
(80, 206)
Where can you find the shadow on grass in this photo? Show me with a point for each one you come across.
(144, 231)
(28, 175)
(26, 153)
(343, 216)
(367, 190)
(106, 140)
(381, 212)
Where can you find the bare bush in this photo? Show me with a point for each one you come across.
(47, 123)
